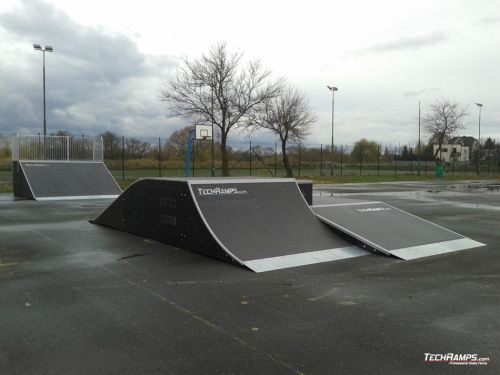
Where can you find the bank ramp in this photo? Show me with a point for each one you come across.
(390, 230)
(59, 180)
(60, 167)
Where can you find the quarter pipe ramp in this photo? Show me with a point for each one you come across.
(262, 224)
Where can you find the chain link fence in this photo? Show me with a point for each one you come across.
(129, 158)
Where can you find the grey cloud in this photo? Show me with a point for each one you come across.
(421, 92)
(488, 21)
(402, 44)
(98, 56)
(96, 81)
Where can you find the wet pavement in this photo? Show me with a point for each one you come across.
(82, 299)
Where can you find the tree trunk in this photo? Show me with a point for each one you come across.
(438, 150)
(223, 151)
(286, 161)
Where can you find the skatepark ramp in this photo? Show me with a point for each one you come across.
(266, 224)
(56, 168)
(390, 230)
(262, 224)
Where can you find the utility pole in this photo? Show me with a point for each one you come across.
(480, 105)
(419, 145)
(37, 47)
(332, 89)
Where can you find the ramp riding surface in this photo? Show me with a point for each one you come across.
(263, 224)
(55, 180)
(391, 230)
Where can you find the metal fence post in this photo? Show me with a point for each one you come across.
(299, 159)
(192, 155)
(378, 160)
(411, 160)
(250, 155)
(395, 164)
(321, 160)
(341, 157)
(123, 158)
(360, 159)
(275, 158)
(159, 156)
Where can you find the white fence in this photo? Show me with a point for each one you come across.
(39, 147)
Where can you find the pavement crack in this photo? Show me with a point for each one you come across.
(133, 256)
(202, 320)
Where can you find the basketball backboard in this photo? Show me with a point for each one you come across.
(203, 132)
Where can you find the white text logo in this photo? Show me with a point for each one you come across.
(221, 191)
(467, 359)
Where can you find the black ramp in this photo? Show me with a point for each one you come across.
(391, 230)
(266, 224)
(52, 180)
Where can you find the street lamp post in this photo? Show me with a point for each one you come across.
(480, 105)
(419, 145)
(43, 50)
(332, 89)
(212, 165)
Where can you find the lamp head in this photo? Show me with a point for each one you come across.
(37, 47)
(49, 49)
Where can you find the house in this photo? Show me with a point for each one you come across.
(457, 149)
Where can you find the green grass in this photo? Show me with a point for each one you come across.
(5, 176)
(397, 178)
(350, 175)
(5, 187)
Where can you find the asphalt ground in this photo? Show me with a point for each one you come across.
(77, 298)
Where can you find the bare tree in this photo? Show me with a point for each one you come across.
(289, 116)
(135, 149)
(443, 120)
(112, 145)
(219, 88)
(365, 150)
(178, 141)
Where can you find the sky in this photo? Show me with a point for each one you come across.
(111, 57)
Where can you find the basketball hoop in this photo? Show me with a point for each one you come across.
(203, 132)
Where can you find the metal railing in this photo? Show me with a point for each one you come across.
(39, 147)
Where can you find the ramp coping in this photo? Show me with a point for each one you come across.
(239, 181)
(76, 197)
(60, 161)
(346, 204)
